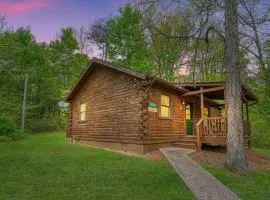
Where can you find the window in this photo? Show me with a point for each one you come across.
(165, 106)
(83, 112)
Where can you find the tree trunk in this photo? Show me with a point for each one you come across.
(236, 159)
(24, 102)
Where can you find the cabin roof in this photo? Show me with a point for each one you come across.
(181, 87)
(94, 62)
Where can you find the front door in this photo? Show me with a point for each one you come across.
(189, 126)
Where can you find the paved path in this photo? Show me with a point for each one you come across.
(203, 185)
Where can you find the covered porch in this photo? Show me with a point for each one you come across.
(212, 130)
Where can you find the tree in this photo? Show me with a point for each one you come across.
(98, 36)
(83, 43)
(254, 18)
(63, 51)
(236, 159)
(3, 23)
(126, 40)
(21, 54)
(204, 12)
(165, 54)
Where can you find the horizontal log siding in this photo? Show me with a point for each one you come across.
(164, 130)
(112, 108)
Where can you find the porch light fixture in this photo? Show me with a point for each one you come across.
(183, 102)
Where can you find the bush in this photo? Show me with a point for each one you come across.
(259, 117)
(4, 138)
(9, 131)
(41, 125)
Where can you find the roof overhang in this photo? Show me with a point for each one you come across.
(94, 62)
(215, 90)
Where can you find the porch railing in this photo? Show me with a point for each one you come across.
(216, 126)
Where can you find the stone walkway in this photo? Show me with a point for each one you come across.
(203, 185)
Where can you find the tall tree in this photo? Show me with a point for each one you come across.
(236, 159)
(3, 23)
(202, 24)
(98, 36)
(63, 52)
(126, 42)
(166, 54)
(83, 43)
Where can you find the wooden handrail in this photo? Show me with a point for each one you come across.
(199, 122)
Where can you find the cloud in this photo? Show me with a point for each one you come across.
(12, 8)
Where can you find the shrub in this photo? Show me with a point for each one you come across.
(9, 131)
(41, 125)
(4, 138)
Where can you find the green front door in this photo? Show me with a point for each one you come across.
(189, 126)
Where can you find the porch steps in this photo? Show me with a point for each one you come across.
(186, 142)
(185, 145)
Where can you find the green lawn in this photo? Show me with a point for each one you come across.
(265, 152)
(45, 166)
(256, 186)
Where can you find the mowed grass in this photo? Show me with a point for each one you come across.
(265, 152)
(45, 166)
(255, 186)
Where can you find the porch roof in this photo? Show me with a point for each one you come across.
(215, 90)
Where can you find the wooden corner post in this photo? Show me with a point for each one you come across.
(202, 103)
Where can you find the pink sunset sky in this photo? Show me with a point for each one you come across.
(47, 17)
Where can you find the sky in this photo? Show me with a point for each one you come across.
(47, 17)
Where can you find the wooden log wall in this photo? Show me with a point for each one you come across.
(162, 130)
(113, 108)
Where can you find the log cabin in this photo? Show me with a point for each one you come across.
(117, 108)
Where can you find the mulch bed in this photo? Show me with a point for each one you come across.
(216, 157)
(154, 155)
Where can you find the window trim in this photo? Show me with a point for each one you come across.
(80, 112)
(170, 107)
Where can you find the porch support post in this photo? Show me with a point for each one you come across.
(247, 111)
(202, 103)
(198, 134)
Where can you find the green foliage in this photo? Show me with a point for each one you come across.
(45, 166)
(260, 117)
(52, 70)
(166, 49)
(126, 41)
(208, 62)
(42, 125)
(8, 131)
(69, 64)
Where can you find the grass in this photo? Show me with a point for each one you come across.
(45, 166)
(265, 152)
(255, 186)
